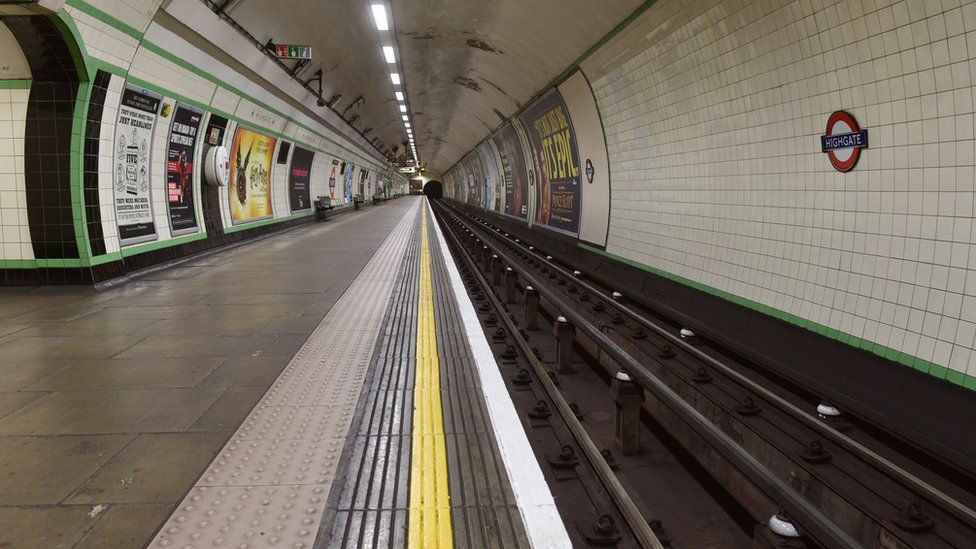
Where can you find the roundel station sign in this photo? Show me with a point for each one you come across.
(843, 141)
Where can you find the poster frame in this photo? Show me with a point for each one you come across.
(271, 165)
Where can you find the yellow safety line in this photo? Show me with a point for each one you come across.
(430, 499)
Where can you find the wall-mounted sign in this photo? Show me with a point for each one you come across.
(133, 149)
(843, 141)
(293, 51)
(179, 169)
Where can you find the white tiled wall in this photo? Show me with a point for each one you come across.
(135, 13)
(15, 241)
(103, 41)
(106, 161)
(713, 111)
(150, 66)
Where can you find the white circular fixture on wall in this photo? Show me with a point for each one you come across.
(216, 166)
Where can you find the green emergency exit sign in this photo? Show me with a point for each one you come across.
(293, 51)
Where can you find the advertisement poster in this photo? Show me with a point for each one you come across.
(133, 147)
(179, 169)
(492, 194)
(332, 179)
(363, 174)
(477, 180)
(513, 171)
(299, 179)
(347, 182)
(250, 176)
(555, 161)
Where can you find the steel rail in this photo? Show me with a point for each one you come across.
(962, 512)
(812, 519)
(636, 521)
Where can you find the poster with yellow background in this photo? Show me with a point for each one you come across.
(250, 176)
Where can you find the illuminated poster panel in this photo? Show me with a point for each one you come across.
(513, 171)
(555, 161)
(250, 176)
(299, 179)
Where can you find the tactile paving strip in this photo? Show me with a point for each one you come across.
(372, 508)
(269, 485)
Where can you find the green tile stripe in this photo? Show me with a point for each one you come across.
(16, 84)
(115, 23)
(158, 50)
(41, 263)
(905, 359)
(66, 26)
(109, 20)
(87, 66)
(203, 106)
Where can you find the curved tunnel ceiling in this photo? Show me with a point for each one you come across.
(470, 65)
(467, 65)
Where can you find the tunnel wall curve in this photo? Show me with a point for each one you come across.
(713, 120)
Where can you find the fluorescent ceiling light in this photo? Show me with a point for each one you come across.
(405, 118)
(406, 124)
(399, 96)
(395, 78)
(403, 108)
(388, 54)
(379, 15)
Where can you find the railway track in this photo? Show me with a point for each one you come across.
(777, 448)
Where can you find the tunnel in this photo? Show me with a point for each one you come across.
(433, 189)
(433, 273)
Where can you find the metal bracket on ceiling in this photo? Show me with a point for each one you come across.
(356, 103)
(301, 66)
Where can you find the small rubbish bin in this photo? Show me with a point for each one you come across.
(322, 207)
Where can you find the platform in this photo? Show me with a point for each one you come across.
(288, 392)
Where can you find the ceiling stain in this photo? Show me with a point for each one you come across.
(496, 86)
(500, 114)
(467, 83)
(417, 36)
(482, 45)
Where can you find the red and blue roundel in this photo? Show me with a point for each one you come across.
(843, 141)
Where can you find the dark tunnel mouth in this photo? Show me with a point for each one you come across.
(433, 189)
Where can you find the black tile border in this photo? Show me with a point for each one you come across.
(93, 126)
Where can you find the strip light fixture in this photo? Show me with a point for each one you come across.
(382, 17)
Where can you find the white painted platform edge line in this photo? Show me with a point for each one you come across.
(540, 517)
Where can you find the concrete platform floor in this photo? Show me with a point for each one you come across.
(112, 403)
